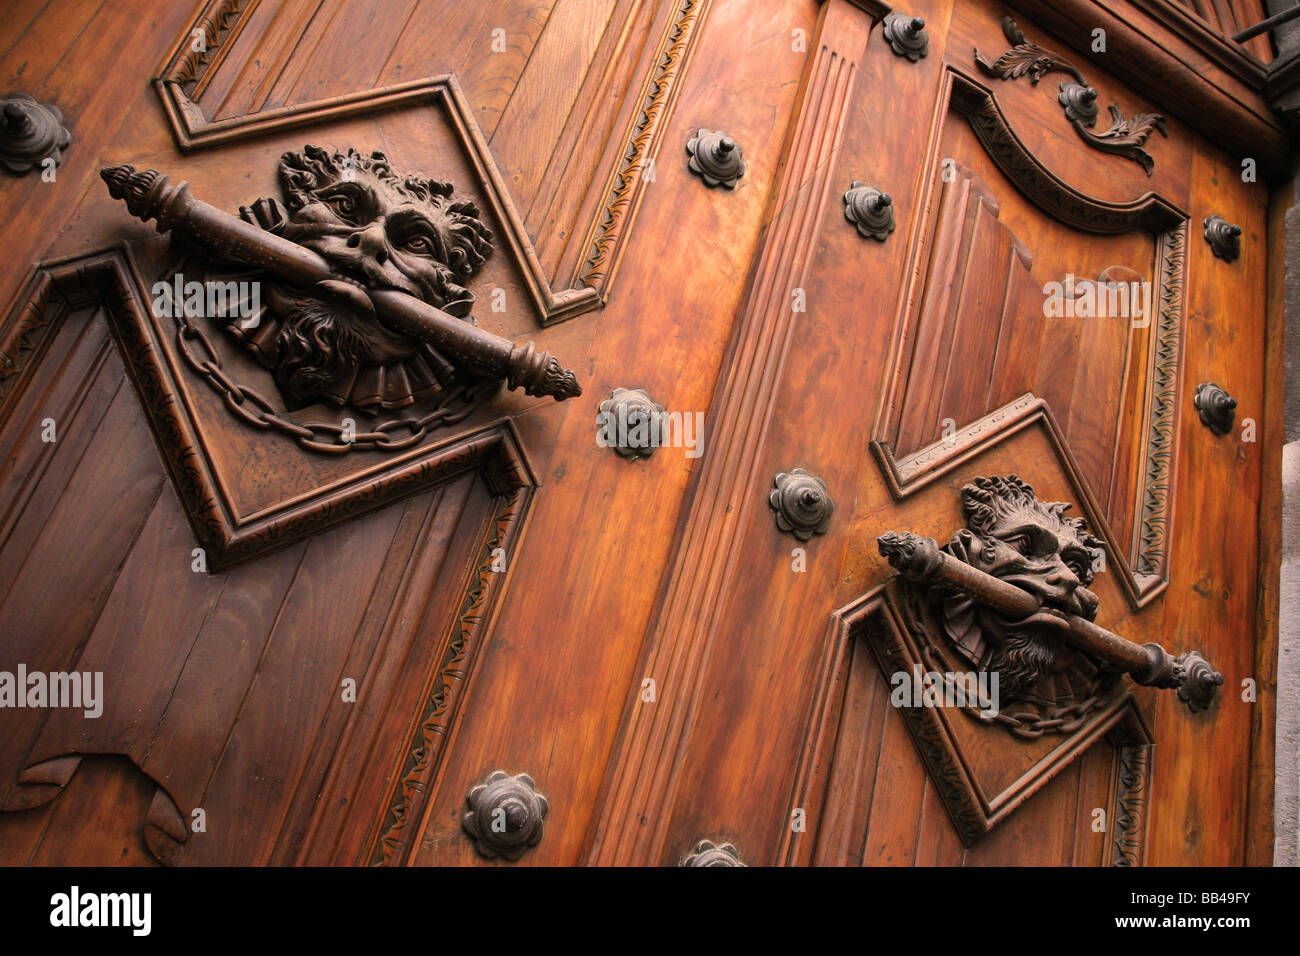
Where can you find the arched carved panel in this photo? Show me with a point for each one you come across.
(979, 355)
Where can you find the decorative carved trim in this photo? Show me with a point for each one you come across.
(1215, 406)
(193, 131)
(189, 65)
(1133, 765)
(1161, 415)
(644, 772)
(30, 133)
(1134, 747)
(1123, 138)
(394, 834)
(879, 618)
(625, 186)
(38, 309)
(1142, 568)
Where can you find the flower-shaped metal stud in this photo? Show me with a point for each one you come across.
(1080, 103)
(1200, 681)
(871, 210)
(30, 133)
(505, 815)
(906, 35)
(715, 158)
(708, 853)
(629, 421)
(1215, 406)
(1224, 238)
(800, 504)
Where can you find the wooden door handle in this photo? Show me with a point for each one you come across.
(150, 195)
(920, 559)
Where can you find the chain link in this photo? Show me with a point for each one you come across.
(1027, 724)
(329, 437)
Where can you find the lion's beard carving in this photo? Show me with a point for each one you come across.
(316, 347)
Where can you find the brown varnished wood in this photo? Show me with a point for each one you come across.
(670, 567)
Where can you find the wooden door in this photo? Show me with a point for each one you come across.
(367, 581)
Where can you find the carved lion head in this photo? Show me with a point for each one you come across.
(1034, 545)
(384, 230)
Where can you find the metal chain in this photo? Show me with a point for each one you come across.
(247, 404)
(1024, 723)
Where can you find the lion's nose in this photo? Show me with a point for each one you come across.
(372, 241)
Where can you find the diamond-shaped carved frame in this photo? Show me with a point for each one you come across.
(879, 618)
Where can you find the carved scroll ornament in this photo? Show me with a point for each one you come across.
(1125, 137)
(365, 303)
(1010, 594)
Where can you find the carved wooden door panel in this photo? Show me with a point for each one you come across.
(436, 433)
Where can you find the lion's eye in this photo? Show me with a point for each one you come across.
(419, 243)
(343, 205)
(1018, 541)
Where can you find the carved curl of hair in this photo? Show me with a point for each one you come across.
(988, 501)
(470, 241)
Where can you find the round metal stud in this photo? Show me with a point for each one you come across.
(906, 35)
(1224, 238)
(1215, 406)
(505, 815)
(800, 504)
(716, 158)
(1080, 103)
(628, 422)
(30, 133)
(708, 853)
(871, 210)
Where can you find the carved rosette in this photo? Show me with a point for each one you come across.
(505, 815)
(1215, 406)
(906, 35)
(716, 158)
(870, 210)
(1224, 238)
(30, 133)
(627, 422)
(800, 503)
(708, 853)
